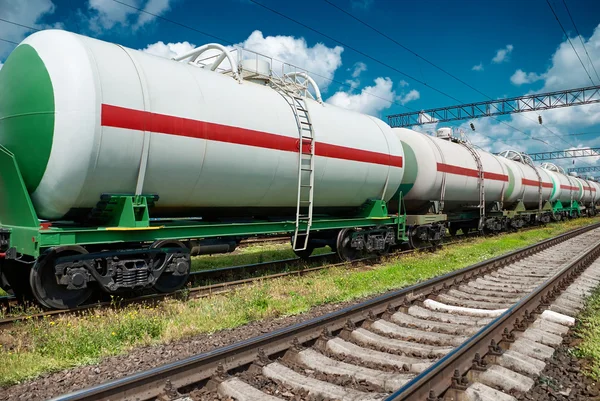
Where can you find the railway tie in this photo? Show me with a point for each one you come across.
(481, 333)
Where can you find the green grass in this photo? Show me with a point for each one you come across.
(251, 254)
(36, 347)
(588, 330)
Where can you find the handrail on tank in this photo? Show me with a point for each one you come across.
(517, 156)
(195, 53)
(552, 167)
(309, 80)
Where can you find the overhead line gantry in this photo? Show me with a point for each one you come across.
(489, 108)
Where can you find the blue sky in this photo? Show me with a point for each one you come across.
(502, 48)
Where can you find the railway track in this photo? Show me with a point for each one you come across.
(296, 266)
(480, 333)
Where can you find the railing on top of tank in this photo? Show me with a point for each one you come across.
(521, 157)
(248, 64)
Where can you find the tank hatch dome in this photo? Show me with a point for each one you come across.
(444, 133)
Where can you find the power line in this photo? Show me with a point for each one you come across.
(429, 62)
(21, 25)
(354, 50)
(405, 48)
(8, 41)
(232, 43)
(571, 43)
(581, 39)
(372, 58)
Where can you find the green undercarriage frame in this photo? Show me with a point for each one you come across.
(127, 219)
(519, 210)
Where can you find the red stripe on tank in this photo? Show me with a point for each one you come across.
(569, 188)
(592, 189)
(534, 183)
(121, 117)
(450, 169)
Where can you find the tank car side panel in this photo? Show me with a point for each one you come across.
(585, 194)
(531, 185)
(421, 182)
(461, 171)
(206, 137)
(435, 161)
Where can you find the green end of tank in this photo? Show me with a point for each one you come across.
(27, 113)
(410, 170)
(511, 183)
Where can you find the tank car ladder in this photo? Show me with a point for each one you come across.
(306, 171)
(481, 184)
(306, 156)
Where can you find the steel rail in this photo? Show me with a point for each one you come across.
(438, 378)
(149, 384)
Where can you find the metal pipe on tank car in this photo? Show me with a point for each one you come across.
(309, 80)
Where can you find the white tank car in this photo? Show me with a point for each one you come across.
(586, 194)
(595, 189)
(566, 188)
(126, 121)
(524, 180)
(437, 168)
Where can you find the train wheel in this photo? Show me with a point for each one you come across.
(45, 287)
(344, 248)
(169, 282)
(414, 240)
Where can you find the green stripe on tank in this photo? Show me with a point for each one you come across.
(411, 169)
(511, 183)
(555, 184)
(27, 112)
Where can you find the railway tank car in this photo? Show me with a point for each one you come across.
(468, 188)
(105, 150)
(116, 120)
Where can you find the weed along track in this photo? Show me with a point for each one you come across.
(481, 333)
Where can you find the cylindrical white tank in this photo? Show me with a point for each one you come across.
(566, 188)
(523, 181)
(595, 188)
(209, 142)
(433, 164)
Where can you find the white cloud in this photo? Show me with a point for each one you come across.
(320, 60)
(502, 54)
(169, 50)
(1, 65)
(371, 100)
(107, 14)
(28, 13)
(361, 4)
(403, 83)
(566, 71)
(521, 77)
(410, 96)
(358, 68)
(478, 67)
